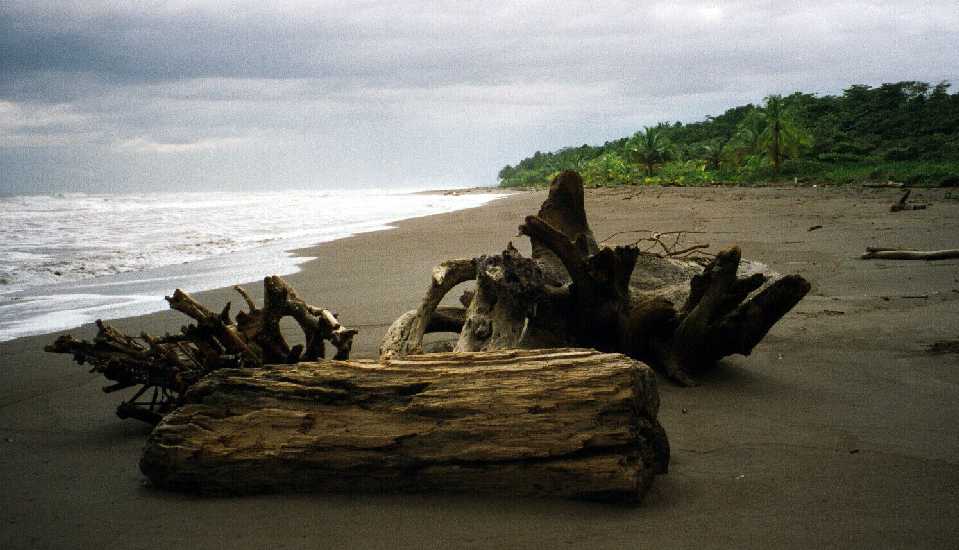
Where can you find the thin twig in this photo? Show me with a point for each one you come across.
(689, 250)
(626, 233)
(669, 246)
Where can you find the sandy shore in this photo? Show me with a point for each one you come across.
(839, 431)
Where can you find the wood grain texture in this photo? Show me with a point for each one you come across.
(560, 423)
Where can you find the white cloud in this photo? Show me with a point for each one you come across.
(18, 116)
(146, 145)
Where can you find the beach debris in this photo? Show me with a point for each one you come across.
(884, 184)
(877, 253)
(666, 244)
(165, 367)
(943, 346)
(568, 423)
(573, 292)
(815, 227)
(902, 203)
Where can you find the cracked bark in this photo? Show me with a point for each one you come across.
(561, 423)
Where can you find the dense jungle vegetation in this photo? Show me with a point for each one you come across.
(905, 132)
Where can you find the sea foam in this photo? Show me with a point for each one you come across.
(69, 259)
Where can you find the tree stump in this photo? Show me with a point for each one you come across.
(556, 423)
(680, 317)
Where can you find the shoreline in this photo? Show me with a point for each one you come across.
(837, 431)
(55, 307)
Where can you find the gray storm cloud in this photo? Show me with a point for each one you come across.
(185, 94)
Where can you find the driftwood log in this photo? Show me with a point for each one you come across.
(558, 423)
(877, 253)
(678, 316)
(165, 367)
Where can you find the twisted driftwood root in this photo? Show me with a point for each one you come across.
(566, 423)
(405, 335)
(575, 293)
(165, 367)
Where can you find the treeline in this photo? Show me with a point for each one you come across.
(906, 131)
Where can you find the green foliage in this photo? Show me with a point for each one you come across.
(906, 131)
(686, 172)
(607, 169)
(649, 148)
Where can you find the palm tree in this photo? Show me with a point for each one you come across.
(748, 138)
(716, 152)
(781, 135)
(648, 148)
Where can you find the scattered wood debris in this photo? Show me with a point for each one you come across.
(902, 203)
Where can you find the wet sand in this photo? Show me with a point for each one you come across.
(838, 431)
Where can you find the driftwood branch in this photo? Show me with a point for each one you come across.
(164, 367)
(405, 335)
(902, 203)
(885, 184)
(874, 253)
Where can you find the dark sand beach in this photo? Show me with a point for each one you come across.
(839, 431)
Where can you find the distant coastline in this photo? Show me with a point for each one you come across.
(905, 132)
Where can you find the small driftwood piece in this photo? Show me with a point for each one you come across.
(676, 315)
(875, 253)
(566, 423)
(903, 204)
(164, 367)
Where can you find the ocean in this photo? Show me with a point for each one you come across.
(69, 259)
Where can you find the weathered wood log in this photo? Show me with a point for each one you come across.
(508, 287)
(554, 423)
(875, 253)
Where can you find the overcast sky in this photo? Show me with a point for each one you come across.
(101, 96)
